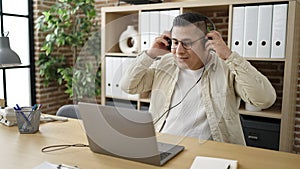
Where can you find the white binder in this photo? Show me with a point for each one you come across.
(172, 14)
(116, 77)
(154, 25)
(126, 61)
(108, 76)
(279, 30)
(164, 21)
(237, 42)
(250, 31)
(264, 31)
(145, 30)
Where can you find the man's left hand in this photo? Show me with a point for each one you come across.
(217, 44)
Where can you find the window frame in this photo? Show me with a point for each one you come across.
(31, 65)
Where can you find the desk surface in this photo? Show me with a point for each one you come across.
(24, 150)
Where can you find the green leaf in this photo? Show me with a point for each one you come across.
(68, 26)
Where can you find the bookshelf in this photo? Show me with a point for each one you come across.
(116, 19)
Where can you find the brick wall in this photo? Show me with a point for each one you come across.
(297, 120)
(53, 96)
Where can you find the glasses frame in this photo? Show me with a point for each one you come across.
(184, 44)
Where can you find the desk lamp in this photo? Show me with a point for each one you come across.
(7, 56)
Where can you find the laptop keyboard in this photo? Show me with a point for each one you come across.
(163, 155)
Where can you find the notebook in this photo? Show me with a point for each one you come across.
(124, 133)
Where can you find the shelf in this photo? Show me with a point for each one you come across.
(120, 54)
(266, 59)
(264, 113)
(146, 100)
(119, 98)
(282, 72)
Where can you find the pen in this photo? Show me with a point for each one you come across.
(228, 167)
(34, 107)
(64, 166)
(18, 110)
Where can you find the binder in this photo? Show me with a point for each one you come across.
(164, 21)
(265, 14)
(237, 42)
(154, 25)
(279, 30)
(173, 13)
(145, 30)
(126, 61)
(250, 31)
(116, 76)
(108, 76)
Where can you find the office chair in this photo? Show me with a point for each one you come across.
(69, 110)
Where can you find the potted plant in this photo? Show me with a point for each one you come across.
(70, 25)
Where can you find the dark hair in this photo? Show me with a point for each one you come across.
(197, 19)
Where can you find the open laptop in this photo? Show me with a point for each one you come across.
(124, 133)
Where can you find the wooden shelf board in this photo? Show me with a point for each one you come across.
(266, 59)
(146, 100)
(120, 54)
(119, 98)
(267, 113)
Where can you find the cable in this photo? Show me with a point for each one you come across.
(181, 99)
(61, 147)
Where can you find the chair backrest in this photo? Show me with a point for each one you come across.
(69, 110)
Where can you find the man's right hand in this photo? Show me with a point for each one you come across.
(160, 45)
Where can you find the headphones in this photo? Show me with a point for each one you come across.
(209, 27)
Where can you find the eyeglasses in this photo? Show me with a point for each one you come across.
(186, 45)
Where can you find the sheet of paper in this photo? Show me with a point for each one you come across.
(213, 163)
(46, 165)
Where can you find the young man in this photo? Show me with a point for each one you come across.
(194, 91)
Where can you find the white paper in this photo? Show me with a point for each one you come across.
(46, 165)
(213, 163)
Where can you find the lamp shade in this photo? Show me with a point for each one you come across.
(7, 56)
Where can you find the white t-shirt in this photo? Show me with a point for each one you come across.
(188, 118)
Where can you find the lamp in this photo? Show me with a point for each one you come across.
(7, 55)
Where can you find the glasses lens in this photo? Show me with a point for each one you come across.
(187, 45)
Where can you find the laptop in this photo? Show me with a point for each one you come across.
(124, 133)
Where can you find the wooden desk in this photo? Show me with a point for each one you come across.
(24, 151)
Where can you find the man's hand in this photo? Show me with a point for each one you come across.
(217, 44)
(160, 45)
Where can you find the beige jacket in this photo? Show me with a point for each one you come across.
(223, 84)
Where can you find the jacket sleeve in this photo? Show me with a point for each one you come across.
(139, 75)
(251, 85)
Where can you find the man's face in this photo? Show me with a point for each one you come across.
(188, 58)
